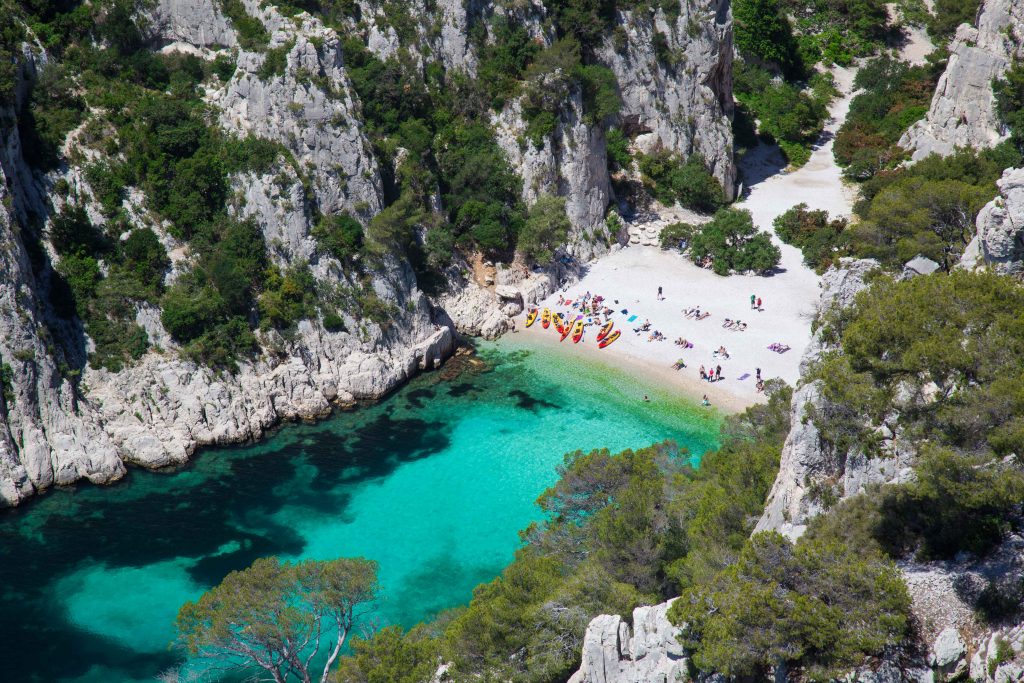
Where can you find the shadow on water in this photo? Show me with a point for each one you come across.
(85, 527)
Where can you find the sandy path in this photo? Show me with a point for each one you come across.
(632, 276)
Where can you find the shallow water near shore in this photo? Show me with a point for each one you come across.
(433, 482)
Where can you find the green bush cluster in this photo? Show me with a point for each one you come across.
(821, 240)
(946, 15)
(894, 96)
(545, 229)
(838, 31)
(819, 605)
(952, 346)
(671, 180)
(788, 115)
(105, 304)
(1009, 92)
(732, 244)
(928, 208)
(762, 31)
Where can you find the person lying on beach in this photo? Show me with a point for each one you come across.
(727, 323)
(705, 314)
(721, 352)
(679, 364)
(685, 343)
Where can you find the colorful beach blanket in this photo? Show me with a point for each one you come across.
(743, 376)
(631, 318)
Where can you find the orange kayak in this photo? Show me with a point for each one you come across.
(577, 333)
(609, 339)
(545, 318)
(531, 317)
(605, 329)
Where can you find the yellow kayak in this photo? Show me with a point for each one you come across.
(609, 339)
(577, 333)
(545, 318)
(531, 317)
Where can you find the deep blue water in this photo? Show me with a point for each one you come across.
(433, 483)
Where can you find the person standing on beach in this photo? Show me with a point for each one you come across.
(753, 300)
(759, 303)
(758, 374)
(703, 374)
(718, 372)
(660, 297)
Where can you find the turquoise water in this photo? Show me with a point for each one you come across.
(434, 483)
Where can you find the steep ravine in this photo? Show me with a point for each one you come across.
(158, 410)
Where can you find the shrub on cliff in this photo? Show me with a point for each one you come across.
(546, 227)
(954, 345)
(818, 605)
(689, 182)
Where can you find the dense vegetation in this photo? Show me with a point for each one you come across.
(935, 360)
(895, 95)
(669, 180)
(1009, 92)
(820, 605)
(728, 243)
(813, 233)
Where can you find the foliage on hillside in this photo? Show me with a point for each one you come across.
(814, 234)
(894, 95)
(938, 360)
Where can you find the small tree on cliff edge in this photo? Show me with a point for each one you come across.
(278, 616)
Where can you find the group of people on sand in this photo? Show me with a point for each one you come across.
(695, 313)
(712, 375)
(755, 303)
(588, 304)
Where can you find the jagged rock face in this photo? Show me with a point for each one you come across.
(652, 655)
(310, 110)
(807, 463)
(686, 108)
(196, 22)
(963, 109)
(999, 241)
(48, 435)
(572, 162)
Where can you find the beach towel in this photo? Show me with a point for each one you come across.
(743, 376)
(631, 318)
(567, 302)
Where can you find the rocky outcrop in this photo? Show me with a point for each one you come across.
(199, 23)
(572, 163)
(309, 109)
(963, 109)
(48, 434)
(809, 471)
(652, 654)
(684, 106)
(999, 241)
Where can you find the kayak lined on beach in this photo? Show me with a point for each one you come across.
(577, 333)
(609, 339)
(605, 329)
(565, 329)
(545, 318)
(531, 317)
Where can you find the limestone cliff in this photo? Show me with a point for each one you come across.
(67, 420)
(963, 112)
(999, 241)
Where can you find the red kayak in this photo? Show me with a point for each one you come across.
(605, 329)
(577, 333)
